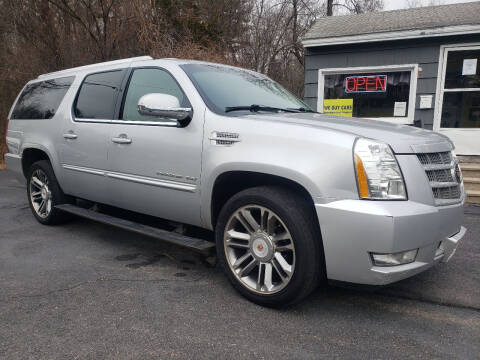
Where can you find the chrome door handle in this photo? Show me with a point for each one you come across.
(122, 139)
(69, 135)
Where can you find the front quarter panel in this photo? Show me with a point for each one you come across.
(318, 159)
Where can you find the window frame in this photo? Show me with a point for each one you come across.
(119, 92)
(465, 139)
(123, 96)
(441, 90)
(413, 68)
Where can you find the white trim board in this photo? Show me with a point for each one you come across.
(413, 68)
(466, 140)
(394, 35)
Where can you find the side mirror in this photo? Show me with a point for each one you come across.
(164, 106)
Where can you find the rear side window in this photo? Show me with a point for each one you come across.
(41, 100)
(98, 95)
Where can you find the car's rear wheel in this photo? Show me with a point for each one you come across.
(44, 193)
(269, 245)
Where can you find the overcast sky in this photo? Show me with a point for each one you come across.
(400, 4)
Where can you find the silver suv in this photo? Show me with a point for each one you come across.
(293, 197)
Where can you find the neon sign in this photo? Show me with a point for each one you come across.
(365, 84)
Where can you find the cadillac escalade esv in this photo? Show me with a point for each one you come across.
(294, 197)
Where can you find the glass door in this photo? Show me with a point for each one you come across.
(458, 113)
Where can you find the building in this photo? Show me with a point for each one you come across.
(416, 66)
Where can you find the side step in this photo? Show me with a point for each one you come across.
(202, 246)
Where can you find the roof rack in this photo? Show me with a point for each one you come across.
(92, 66)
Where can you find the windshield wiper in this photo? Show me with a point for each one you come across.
(302, 109)
(256, 108)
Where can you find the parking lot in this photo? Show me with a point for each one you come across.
(88, 291)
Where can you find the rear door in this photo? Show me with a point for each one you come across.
(155, 166)
(85, 133)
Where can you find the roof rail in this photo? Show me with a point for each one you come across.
(92, 66)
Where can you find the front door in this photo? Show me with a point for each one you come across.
(154, 167)
(458, 111)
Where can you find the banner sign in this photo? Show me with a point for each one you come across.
(365, 84)
(338, 107)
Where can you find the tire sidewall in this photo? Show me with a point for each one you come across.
(306, 248)
(55, 216)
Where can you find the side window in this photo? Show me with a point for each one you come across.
(98, 95)
(146, 81)
(41, 100)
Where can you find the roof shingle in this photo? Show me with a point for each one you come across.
(396, 20)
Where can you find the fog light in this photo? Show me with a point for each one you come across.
(399, 258)
(440, 250)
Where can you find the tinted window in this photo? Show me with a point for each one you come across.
(369, 94)
(222, 87)
(98, 94)
(147, 81)
(42, 99)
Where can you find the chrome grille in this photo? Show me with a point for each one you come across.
(440, 170)
(435, 158)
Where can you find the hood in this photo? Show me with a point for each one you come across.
(403, 139)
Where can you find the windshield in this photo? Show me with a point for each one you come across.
(227, 89)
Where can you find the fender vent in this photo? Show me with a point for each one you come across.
(224, 138)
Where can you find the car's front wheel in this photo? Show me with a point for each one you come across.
(269, 245)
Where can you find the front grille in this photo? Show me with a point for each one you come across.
(435, 158)
(440, 170)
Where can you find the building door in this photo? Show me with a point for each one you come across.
(458, 98)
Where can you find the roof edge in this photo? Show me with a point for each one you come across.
(95, 65)
(393, 35)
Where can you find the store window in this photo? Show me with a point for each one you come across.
(461, 92)
(376, 93)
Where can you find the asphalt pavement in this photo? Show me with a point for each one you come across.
(89, 291)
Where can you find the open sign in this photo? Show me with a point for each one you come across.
(365, 83)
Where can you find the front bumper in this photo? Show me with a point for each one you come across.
(352, 229)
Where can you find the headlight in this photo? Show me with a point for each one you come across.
(378, 174)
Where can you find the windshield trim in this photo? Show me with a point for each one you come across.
(221, 111)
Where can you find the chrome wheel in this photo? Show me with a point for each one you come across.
(40, 194)
(259, 249)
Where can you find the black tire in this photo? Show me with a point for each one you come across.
(55, 216)
(299, 217)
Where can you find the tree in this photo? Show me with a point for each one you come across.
(40, 36)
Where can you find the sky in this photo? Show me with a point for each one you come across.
(400, 4)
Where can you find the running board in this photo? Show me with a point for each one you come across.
(202, 246)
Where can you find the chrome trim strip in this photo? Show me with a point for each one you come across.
(135, 178)
(167, 123)
(437, 184)
(431, 167)
(224, 139)
(84, 169)
(154, 182)
(92, 120)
